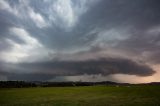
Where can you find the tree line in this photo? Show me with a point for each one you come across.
(21, 84)
(25, 84)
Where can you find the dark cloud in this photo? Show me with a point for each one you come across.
(30, 77)
(108, 66)
(102, 66)
(105, 14)
(143, 43)
(59, 33)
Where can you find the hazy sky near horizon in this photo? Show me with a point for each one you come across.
(73, 40)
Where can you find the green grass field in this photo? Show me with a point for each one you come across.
(81, 96)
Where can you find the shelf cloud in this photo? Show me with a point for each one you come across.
(63, 38)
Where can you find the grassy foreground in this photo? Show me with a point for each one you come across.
(81, 96)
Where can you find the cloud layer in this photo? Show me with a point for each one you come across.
(70, 38)
(74, 68)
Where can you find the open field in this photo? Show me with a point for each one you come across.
(81, 96)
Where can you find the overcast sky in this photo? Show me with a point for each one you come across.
(80, 40)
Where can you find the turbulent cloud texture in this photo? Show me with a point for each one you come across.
(62, 39)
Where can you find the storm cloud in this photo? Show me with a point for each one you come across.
(100, 66)
(70, 38)
(103, 66)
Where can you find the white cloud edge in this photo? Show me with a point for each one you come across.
(31, 50)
